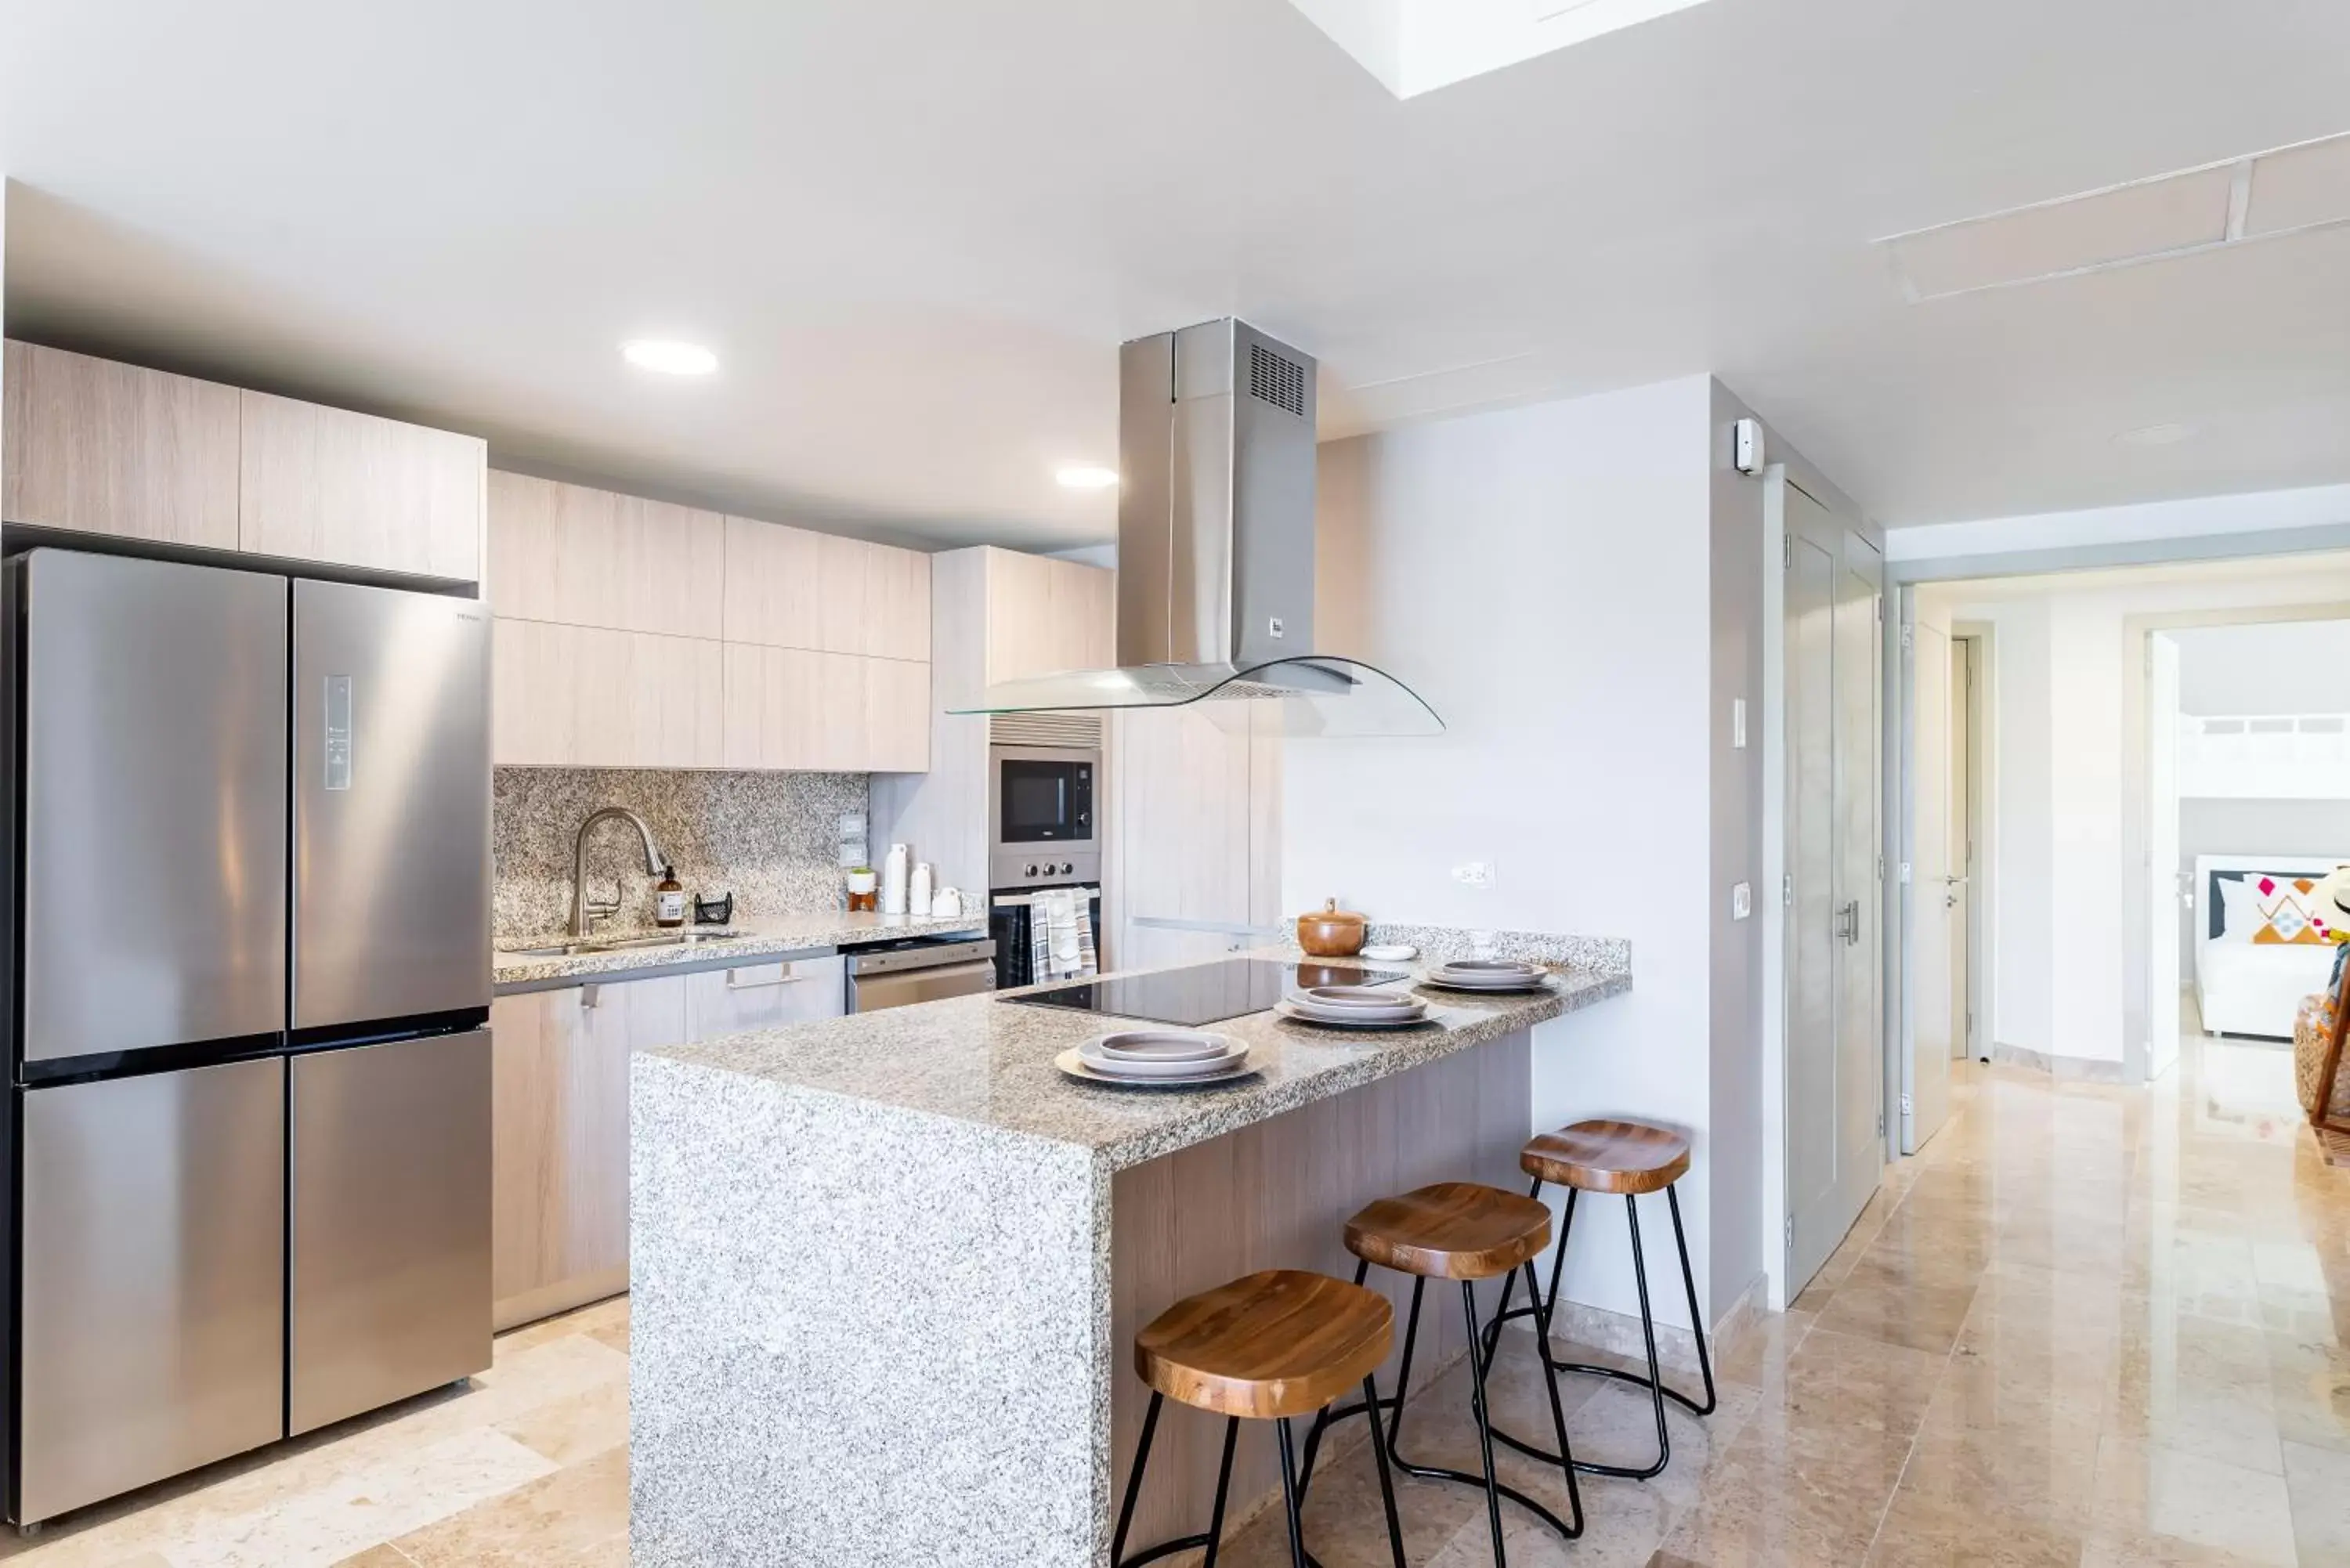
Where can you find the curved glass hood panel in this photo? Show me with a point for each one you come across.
(1316, 694)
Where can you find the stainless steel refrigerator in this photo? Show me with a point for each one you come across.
(249, 942)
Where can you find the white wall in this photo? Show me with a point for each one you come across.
(1547, 577)
(2057, 695)
(1539, 575)
(2278, 667)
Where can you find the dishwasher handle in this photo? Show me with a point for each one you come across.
(904, 988)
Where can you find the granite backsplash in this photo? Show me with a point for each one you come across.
(771, 838)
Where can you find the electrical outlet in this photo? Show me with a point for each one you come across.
(1741, 901)
(1474, 874)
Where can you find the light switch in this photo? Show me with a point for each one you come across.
(1737, 722)
(1741, 901)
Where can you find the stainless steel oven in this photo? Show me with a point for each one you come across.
(1041, 823)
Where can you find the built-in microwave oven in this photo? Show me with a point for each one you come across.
(1041, 824)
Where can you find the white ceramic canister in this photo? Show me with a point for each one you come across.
(893, 881)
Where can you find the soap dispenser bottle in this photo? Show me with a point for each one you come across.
(668, 898)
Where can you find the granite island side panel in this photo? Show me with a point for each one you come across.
(873, 1269)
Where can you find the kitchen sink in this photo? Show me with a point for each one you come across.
(626, 944)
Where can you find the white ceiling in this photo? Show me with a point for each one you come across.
(915, 230)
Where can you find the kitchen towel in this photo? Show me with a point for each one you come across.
(1061, 936)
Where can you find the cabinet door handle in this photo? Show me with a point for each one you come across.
(787, 975)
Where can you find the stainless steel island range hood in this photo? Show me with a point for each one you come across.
(1215, 547)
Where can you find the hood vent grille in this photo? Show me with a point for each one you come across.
(1276, 380)
(1082, 731)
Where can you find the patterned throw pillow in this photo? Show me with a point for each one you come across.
(2288, 915)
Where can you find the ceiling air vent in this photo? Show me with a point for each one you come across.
(1275, 380)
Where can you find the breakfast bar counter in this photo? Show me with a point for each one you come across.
(885, 1267)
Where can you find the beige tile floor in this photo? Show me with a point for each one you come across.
(2088, 1327)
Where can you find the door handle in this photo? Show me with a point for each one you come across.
(787, 977)
(1847, 923)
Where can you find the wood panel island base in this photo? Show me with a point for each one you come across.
(887, 1269)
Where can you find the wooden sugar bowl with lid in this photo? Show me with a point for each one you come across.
(1331, 931)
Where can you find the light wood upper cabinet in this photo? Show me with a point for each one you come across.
(592, 557)
(559, 1144)
(573, 696)
(327, 484)
(795, 708)
(774, 584)
(789, 587)
(1045, 616)
(899, 613)
(897, 708)
(114, 449)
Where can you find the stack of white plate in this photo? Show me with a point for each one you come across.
(1156, 1058)
(1354, 1007)
(1490, 974)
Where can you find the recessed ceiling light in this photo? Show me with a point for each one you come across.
(669, 357)
(1086, 476)
(2155, 435)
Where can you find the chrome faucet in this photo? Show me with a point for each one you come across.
(585, 910)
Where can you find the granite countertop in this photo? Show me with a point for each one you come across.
(768, 936)
(988, 1062)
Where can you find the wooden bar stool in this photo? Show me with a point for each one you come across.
(1629, 1157)
(1266, 1347)
(1466, 1232)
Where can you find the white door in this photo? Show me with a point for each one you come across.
(1834, 1025)
(2162, 857)
(1938, 877)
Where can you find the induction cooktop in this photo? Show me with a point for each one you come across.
(1203, 994)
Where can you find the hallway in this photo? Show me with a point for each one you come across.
(2088, 1327)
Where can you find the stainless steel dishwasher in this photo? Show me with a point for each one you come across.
(907, 972)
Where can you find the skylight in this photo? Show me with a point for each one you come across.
(1415, 45)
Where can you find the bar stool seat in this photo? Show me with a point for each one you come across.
(1451, 1230)
(1267, 1346)
(1628, 1157)
(1279, 1342)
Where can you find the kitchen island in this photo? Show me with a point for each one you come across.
(886, 1268)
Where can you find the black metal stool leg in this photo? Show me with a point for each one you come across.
(1289, 1496)
(1403, 1368)
(1484, 1423)
(1134, 1478)
(1697, 1318)
(1387, 1482)
(1648, 1337)
(1223, 1491)
(1213, 1539)
(1565, 1455)
(1391, 1457)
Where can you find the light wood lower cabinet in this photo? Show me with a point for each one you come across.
(114, 449)
(721, 1002)
(559, 1130)
(560, 1142)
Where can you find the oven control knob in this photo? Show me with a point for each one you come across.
(1069, 868)
(1028, 871)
